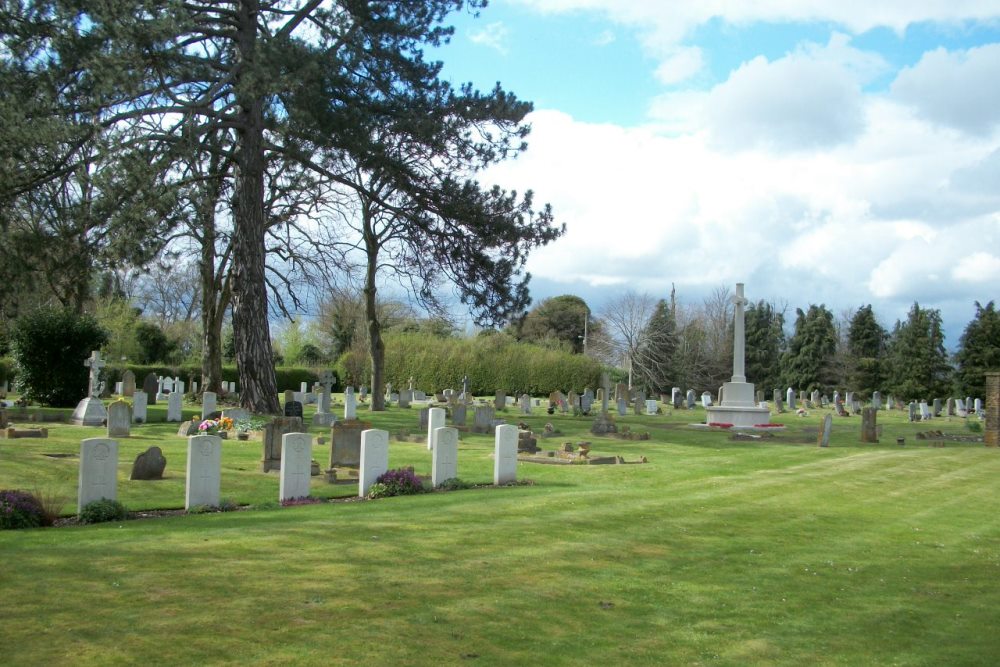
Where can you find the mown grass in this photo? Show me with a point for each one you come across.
(715, 552)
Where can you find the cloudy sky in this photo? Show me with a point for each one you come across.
(842, 152)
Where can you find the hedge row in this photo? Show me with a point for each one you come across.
(492, 362)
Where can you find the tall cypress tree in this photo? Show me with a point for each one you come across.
(866, 349)
(919, 366)
(979, 351)
(765, 340)
(809, 362)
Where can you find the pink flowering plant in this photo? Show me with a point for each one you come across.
(213, 426)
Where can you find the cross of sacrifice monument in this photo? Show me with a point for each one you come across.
(739, 335)
(95, 363)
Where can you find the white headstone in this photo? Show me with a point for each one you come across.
(118, 388)
(303, 387)
(925, 411)
(139, 407)
(350, 404)
(505, 454)
(98, 471)
(119, 420)
(296, 465)
(435, 420)
(204, 471)
(374, 458)
(706, 400)
(174, 407)
(207, 404)
(650, 406)
(444, 464)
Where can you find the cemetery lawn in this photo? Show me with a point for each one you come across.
(718, 552)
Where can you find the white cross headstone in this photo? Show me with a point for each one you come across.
(204, 471)
(98, 476)
(444, 463)
(95, 364)
(374, 458)
(296, 465)
(435, 420)
(505, 454)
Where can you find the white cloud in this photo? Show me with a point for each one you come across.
(494, 35)
(979, 267)
(958, 89)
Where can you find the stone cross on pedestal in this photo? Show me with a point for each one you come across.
(411, 383)
(739, 335)
(326, 380)
(95, 363)
(465, 386)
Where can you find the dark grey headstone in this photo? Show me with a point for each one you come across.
(150, 385)
(293, 409)
(149, 465)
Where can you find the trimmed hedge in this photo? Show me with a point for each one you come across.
(492, 362)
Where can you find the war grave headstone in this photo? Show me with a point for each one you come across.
(483, 419)
(271, 440)
(458, 414)
(119, 420)
(139, 407)
(444, 459)
(90, 411)
(208, 404)
(204, 471)
(98, 475)
(351, 404)
(869, 428)
(374, 458)
(824, 434)
(505, 454)
(150, 464)
(435, 420)
(296, 466)
(175, 412)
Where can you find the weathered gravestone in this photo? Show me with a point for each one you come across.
(271, 440)
(824, 433)
(483, 419)
(912, 407)
(960, 408)
(128, 383)
(374, 458)
(288, 396)
(790, 398)
(937, 407)
(150, 464)
(139, 407)
(876, 400)
(524, 403)
(869, 428)
(706, 400)
(208, 403)
(296, 466)
(444, 460)
(587, 400)
(505, 454)
(500, 400)
(435, 420)
(345, 447)
(323, 416)
(119, 420)
(650, 406)
(293, 409)
(204, 471)
(98, 476)
(925, 412)
(639, 402)
(405, 396)
(458, 414)
(690, 400)
(622, 407)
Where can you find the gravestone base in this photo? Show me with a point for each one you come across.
(739, 417)
(603, 425)
(321, 419)
(89, 412)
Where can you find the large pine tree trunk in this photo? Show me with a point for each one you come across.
(214, 288)
(251, 334)
(376, 346)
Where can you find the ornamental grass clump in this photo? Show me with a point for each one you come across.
(400, 482)
(21, 509)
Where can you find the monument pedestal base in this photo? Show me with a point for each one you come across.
(737, 416)
(90, 412)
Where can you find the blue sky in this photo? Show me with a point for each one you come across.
(818, 151)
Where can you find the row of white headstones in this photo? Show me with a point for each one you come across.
(99, 464)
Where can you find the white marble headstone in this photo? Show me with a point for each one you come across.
(98, 476)
(374, 458)
(204, 471)
(139, 400)
(435, 420)
(350, 404)
(444, 464)
(296, 462)
(175, 407)
(505, 454)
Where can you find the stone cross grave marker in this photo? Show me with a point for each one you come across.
(204, 471)
(374, 458)
(95, 364)
(98, 476)
(505, 454)
(296, 466)
(444, 464)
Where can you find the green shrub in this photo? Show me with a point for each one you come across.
(454, 484)
(6, 369)
(401, 482)
(49, 346)
(103, 510)
(20, 509)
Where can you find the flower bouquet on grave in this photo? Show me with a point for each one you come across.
(215, 426)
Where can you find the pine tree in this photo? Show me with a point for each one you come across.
(765, 339)
(866, 349)
(809, 362)
(659, 348)
(919, 366)
(979, 351)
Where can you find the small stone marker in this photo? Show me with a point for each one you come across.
(374, 458)
(139, 407)
(208, 403)
(149, 465)
(505, 454)
(435, 420)
(128, 383)
(119, 420)
(296, 465)
(98, 476)
(444, 464)
(824, 434)
(869, 430)
(204, 471)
